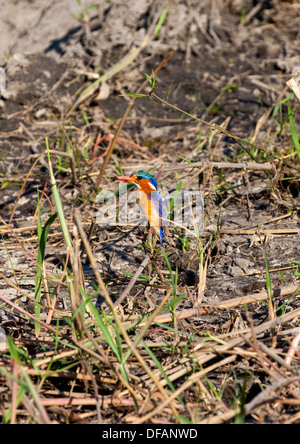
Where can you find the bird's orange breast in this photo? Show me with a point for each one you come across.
(150, 209)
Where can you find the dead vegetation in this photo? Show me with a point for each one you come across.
(101, 328)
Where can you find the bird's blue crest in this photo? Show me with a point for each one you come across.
(143, 175)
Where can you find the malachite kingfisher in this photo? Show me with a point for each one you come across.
(149, 199)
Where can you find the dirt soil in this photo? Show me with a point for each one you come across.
(230, 66)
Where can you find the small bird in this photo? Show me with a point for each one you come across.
(149, 199)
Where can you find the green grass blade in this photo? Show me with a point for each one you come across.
(164, 254)
(103, 327)
(157, 363)
(58, 203)
(134, 95)
(174, 198)
(282, 102)
(160, 22)
(294, 131)
(42, 235)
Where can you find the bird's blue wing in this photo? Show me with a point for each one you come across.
(157, 203)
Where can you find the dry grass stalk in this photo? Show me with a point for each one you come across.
(113, 310)
(220, 165)
(133, 280)
(123, 120)
(230, 303)
(202, 281)
(264, 397)
(190, 381)
(203, 354)
(48, 327)
(223, 125)
(293, 348)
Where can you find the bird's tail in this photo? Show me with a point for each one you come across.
(161, 232)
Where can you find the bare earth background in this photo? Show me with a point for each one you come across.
(230, 66)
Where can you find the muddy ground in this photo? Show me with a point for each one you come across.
(230, 66)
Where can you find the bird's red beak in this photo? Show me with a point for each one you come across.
(125, 178)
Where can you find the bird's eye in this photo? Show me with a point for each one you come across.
(139, 177)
